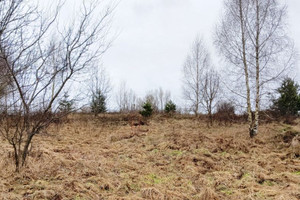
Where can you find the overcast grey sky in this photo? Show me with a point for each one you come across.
(154, 37)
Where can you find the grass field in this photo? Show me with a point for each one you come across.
(170, 159)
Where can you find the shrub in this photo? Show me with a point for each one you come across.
(170, 107)
(288, 102)
(225, 112)
(226, 108)
(66, 105)
(98, 104)
(147, 110)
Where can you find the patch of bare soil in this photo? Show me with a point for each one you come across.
(168, 159)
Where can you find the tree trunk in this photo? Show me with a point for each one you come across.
(17, 158)
(250, 120)
(254, 132)
(26, 147)
(196, 110)
(210, 119)
(210, 116)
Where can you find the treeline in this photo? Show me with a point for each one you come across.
(283, 105)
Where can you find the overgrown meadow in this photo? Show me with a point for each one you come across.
(179, 157)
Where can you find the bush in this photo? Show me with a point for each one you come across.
(170, 107)
(147, 110)
(226, 108)
(66, 105)
(225, 112)
(288, 102)
(98, 104)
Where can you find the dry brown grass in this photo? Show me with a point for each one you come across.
(170, 159)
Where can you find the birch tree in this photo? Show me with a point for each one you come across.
(193, 69)
(210, 90)
(162, 97)
(126, 98)
(252, 37)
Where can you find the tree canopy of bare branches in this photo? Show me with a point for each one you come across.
(252, 37)
(41, 63)
(126, 98)
(210, 89)
(157, 98)
(100, 81)
(193, 72)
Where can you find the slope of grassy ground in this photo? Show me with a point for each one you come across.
(168, 159)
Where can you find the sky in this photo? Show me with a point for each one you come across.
(155, 36)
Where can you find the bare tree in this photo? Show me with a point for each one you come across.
(161, 98)
(166, 99)
(39, 79)
(100, 81)
(193, 69)
(126, 98)
(253, 37)
(210, 90)
(151, 98)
